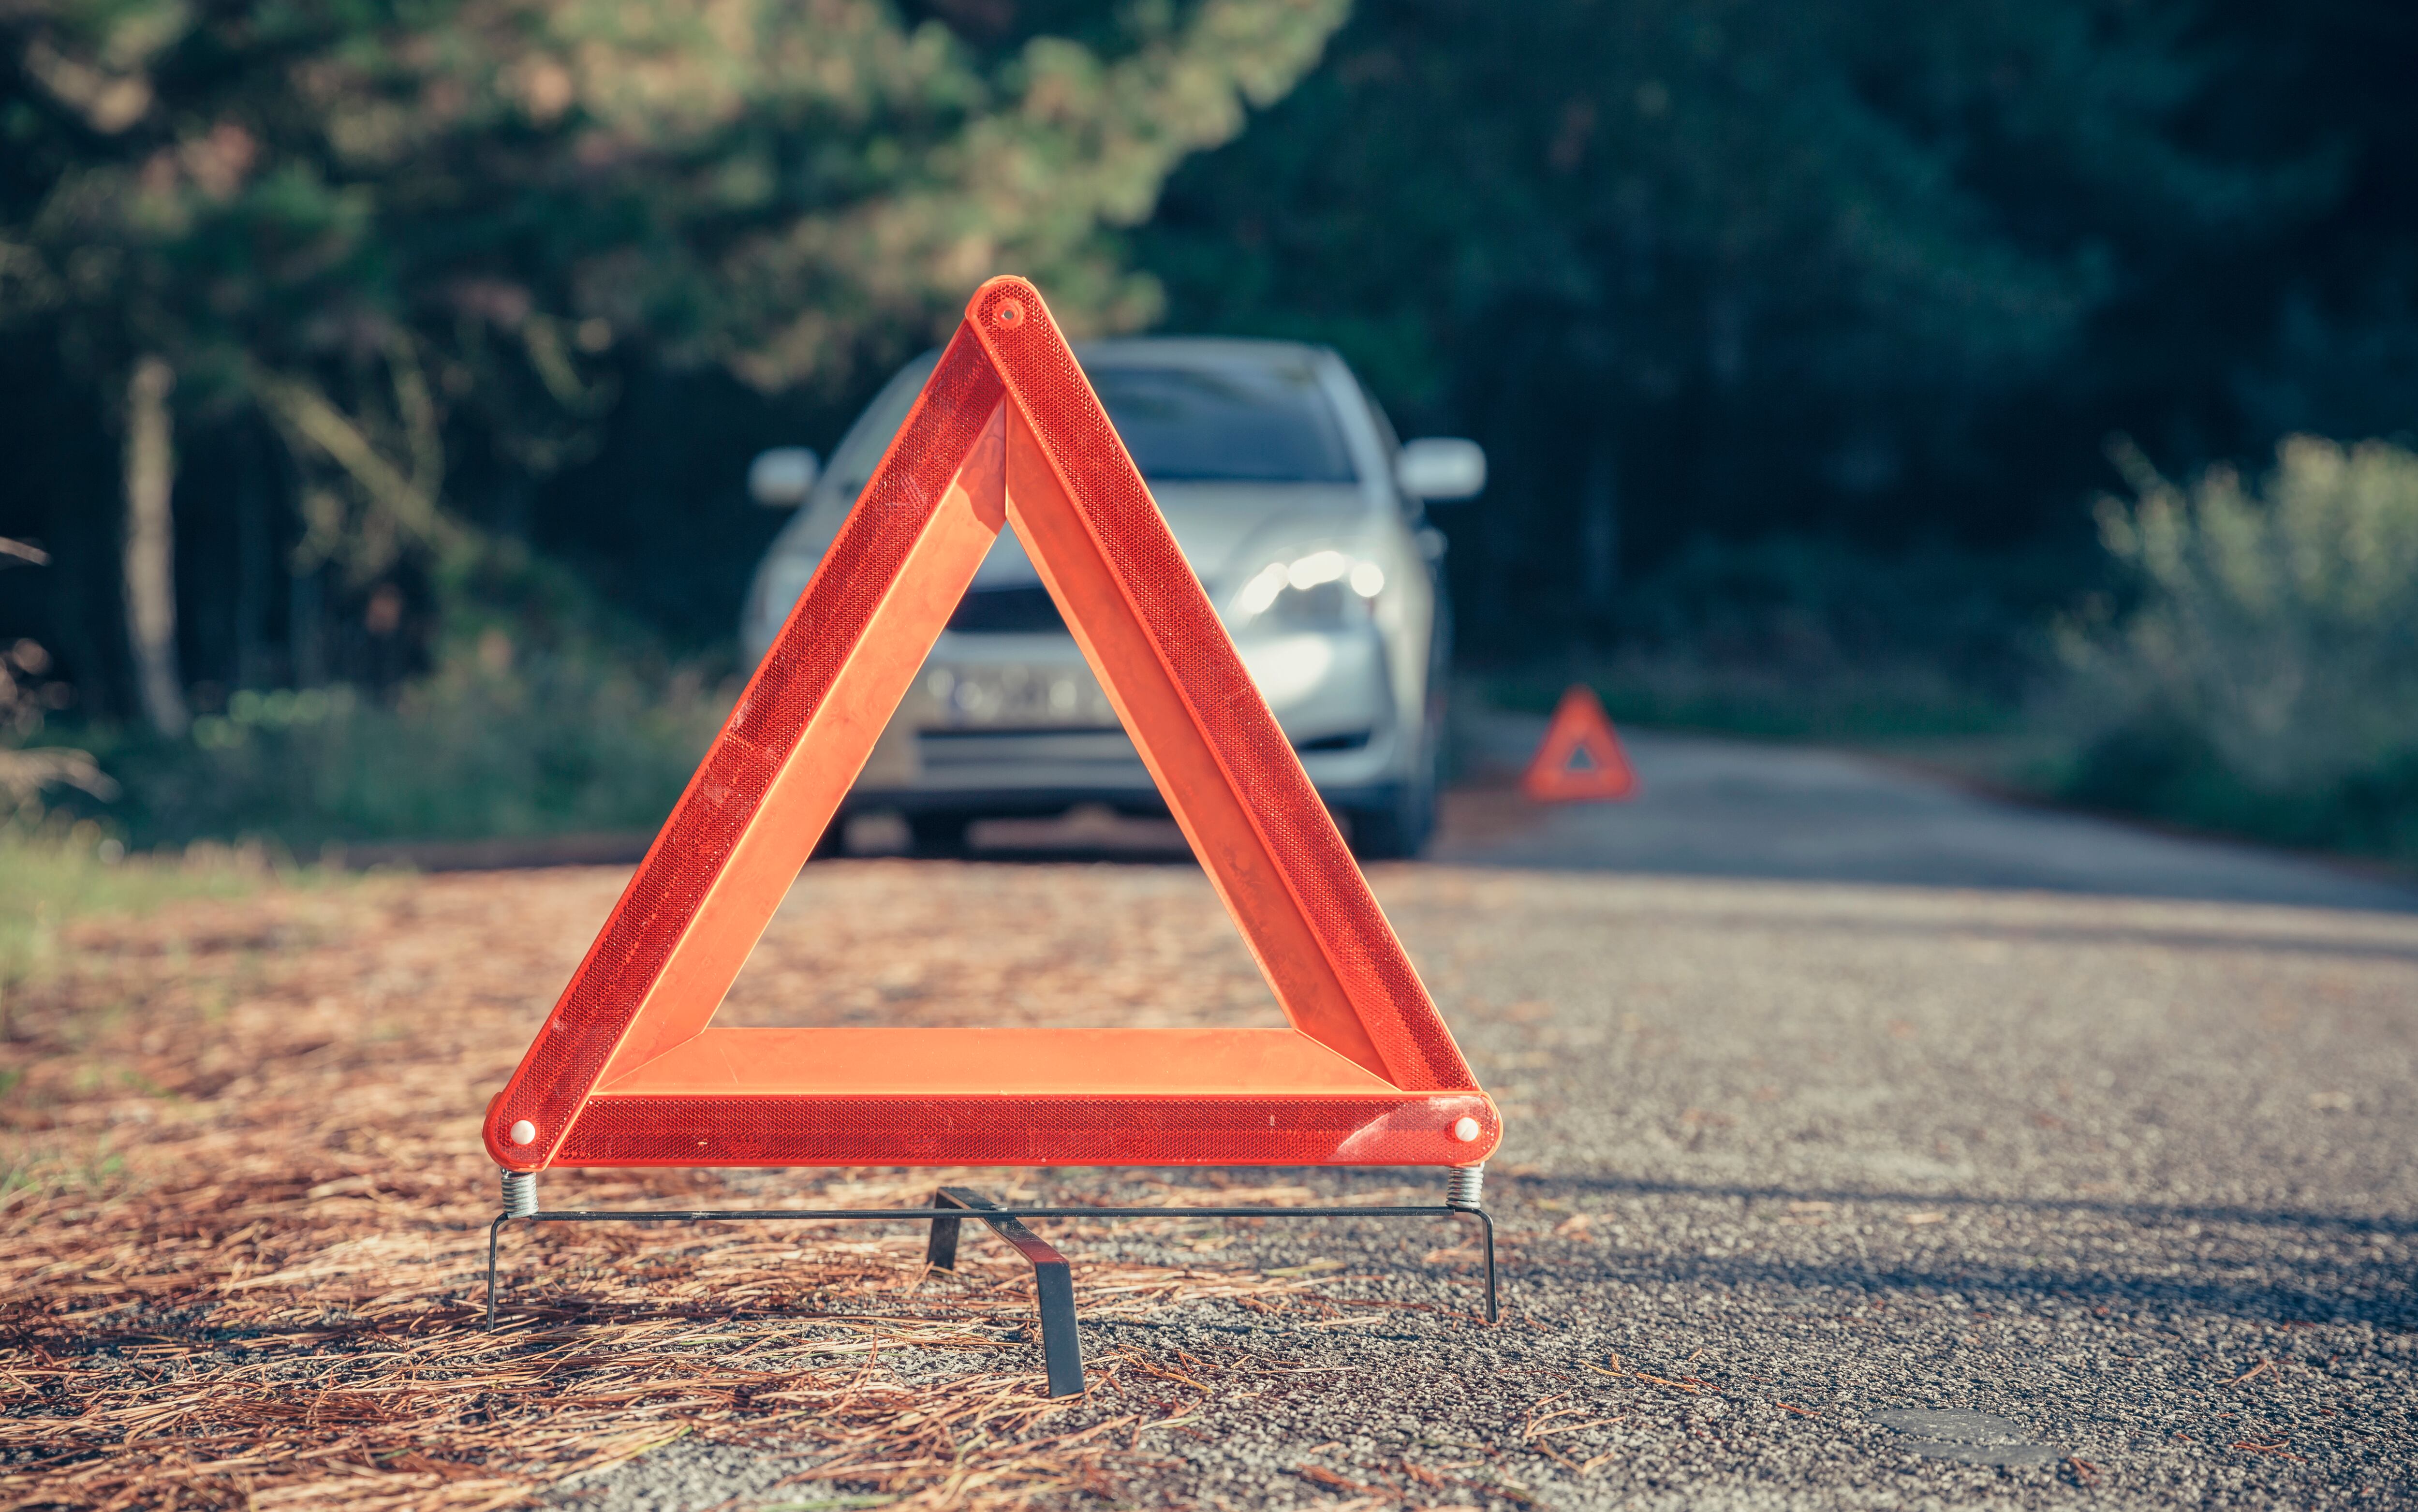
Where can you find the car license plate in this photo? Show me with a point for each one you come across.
(1020, 697)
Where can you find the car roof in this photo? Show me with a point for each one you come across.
(1147, 351)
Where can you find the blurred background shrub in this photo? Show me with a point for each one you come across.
(2263, 675)
(543, 713)
(494, 743)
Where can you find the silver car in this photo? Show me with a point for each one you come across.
(1305, 522)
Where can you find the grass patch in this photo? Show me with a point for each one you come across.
(53, 875)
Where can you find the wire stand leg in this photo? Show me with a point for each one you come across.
(1486, 1221)
(1054, 1284)
(492, 1230)
(941, 1253)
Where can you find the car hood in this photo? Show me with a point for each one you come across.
(1227, 530)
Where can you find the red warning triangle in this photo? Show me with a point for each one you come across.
(1581, 759)
(627, 1070)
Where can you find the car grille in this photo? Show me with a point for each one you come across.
(1007, 611)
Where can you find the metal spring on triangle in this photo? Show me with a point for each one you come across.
(520, 1192)
(1466, 1188)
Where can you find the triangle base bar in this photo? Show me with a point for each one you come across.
(1378, 1129)
(1053, 1281)
(1023, 1062)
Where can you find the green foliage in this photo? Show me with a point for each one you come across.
(1827, 181)
(545, 714)
(409, 233)
(402, 230)
(1736, 267)
(2266, 680)
(488, 745)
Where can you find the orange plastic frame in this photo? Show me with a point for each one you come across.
(626, 1070)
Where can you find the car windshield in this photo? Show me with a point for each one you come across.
(1232, 420)
(1255, 422)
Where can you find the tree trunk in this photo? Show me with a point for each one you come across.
(306, 633)
(1600, 527)
(151, 545)
(255, 558)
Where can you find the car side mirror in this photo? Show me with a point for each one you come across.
(1441, 468)
(781, 479)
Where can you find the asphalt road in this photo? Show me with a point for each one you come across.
(1728, 808)
(1870, 1145)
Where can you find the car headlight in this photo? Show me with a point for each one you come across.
(1323, 589)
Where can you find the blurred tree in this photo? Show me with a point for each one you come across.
(1746, 262)
(409, 232)
(151, 543)
(1873, 269)
(2329, 341)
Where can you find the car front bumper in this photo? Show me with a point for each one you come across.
(1017, 725)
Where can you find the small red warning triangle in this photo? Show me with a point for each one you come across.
(1581, 759)
(626, 1070)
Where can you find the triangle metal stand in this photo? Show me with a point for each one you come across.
(1052, 1276)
